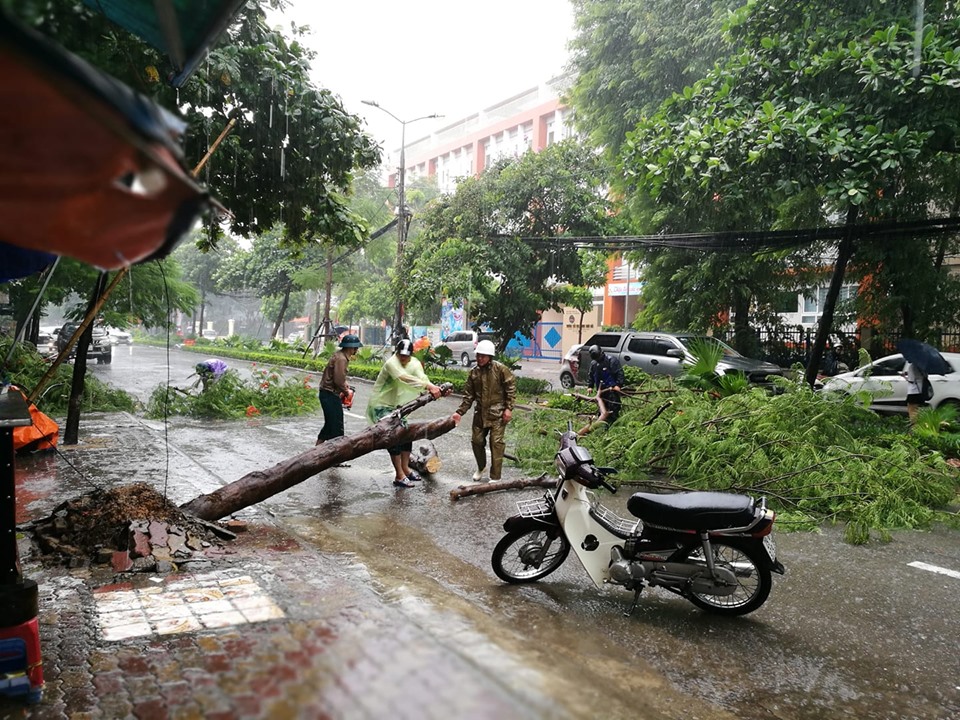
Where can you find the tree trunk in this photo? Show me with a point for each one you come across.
(743, 338)
(480, 488)
(283, 311)
(203, 304)
(71, 432)
(844, 253)
(426, 459)
(326, 324)
(262, 484)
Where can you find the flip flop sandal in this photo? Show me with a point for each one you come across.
(415, 476)
(403, 483)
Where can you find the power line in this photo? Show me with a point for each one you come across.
(741, 241)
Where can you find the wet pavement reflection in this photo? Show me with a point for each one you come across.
(370, 576)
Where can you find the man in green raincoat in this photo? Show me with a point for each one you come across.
(401, 379)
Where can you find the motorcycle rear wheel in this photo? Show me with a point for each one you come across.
(753, 579)
(512, 554)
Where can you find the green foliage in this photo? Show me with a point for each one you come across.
(630, 55)
(703, 375)
(511, 361)
(365, 364)
(492, 238)
(27, 367)
(267, 392)
(816, 459)
(440, 355)
(801, 124)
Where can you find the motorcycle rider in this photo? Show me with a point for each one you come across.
(606, 375)
(493, 388)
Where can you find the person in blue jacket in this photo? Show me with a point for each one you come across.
(606, 376)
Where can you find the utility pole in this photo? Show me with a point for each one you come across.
(404, 216)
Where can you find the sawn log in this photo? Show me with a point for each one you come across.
(425, 459)
(480, 488)
(261, 484)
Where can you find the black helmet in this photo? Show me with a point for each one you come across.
(350, 341)
(404, 347)
(595, 352)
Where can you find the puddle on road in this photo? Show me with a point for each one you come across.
(539, 651)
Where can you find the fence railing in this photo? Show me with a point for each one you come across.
(788, 346)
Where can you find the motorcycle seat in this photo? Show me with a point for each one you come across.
(693, 510)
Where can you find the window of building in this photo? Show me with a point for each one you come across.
(813, 302)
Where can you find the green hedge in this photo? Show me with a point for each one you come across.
(358, 368)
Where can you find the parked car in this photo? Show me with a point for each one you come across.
(660, 353)
(463, 345)
(100, 348)
(569, 367)
(885, 381)
(209, 334)
(118, 336)
(46, 342)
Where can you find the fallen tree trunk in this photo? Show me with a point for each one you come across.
(426, 459)
(481, 488)
(261, 484)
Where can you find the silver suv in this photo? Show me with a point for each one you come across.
(99, 349)
(463, 345)
(659, 353)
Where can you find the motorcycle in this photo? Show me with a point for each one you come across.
(711, 548)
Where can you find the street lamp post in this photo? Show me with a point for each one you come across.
(404, 215)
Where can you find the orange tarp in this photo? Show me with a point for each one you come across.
(42, 435)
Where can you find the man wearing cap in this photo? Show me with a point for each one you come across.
(333, 387)
(400, 380)
(606, 376)
(493, 388)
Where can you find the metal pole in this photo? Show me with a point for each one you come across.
(401, 230)
(403, 225)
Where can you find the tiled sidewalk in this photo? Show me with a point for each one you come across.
(269, 628)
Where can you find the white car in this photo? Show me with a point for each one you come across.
(569, 367)
(209, 334)
(884, 380)
(116, 336)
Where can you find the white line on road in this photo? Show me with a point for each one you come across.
(935, 569)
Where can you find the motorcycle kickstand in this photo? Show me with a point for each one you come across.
(636, 600)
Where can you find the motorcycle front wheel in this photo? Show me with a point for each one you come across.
(516, 558)
(753, 579)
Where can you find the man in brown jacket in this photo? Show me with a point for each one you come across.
(333, 388)
(493, 388)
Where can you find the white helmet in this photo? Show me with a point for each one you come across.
(485, 347)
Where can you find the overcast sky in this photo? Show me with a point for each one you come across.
(418, 57)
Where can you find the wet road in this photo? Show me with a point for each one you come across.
(849, 632)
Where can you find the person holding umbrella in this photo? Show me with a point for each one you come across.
(922, 360)
(916, 396)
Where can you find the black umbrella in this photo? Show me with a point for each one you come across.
(926, 357)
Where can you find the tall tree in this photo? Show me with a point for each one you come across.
(499, 235)
(631, 55)
(268, 269)
(200, 268)
(143, 296)
(842, 110)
